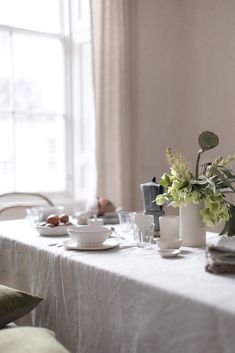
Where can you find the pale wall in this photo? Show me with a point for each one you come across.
(183, 81)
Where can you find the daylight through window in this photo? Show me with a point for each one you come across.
(33, 120)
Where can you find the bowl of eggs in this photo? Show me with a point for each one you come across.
(55, 225)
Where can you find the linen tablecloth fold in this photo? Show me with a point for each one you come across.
(220, 255)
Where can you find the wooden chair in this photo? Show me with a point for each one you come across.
(13, 205)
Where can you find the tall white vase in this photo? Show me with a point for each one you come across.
(191, 230)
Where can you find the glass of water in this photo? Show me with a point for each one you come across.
(126, 222)
(34, 215)
(146, 234)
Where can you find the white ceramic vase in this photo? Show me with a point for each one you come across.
(191, 230)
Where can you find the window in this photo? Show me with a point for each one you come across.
(46, 97)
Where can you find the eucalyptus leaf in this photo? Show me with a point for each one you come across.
(221, 176)
(225, 229)
(206, 179)
(229, 227)
(208, 140)
(231, 180)
(228, 172)
(200, 182)
(210, 182)
(221, 185)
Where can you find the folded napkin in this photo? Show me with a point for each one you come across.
(220, 255)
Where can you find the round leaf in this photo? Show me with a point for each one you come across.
(208, 140)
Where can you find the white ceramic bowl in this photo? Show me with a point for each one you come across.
(171, 243)
(52, 232)
(89, 235)
(169, 252)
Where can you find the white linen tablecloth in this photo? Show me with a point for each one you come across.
(122, 300)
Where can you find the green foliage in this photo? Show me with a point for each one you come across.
(181, 187)
(229, 227)
(208, 140)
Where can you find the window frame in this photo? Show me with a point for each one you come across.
(75, 29)
(64, 38)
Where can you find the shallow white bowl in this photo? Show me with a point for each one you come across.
(89, 235)
(52, 232)
(171, 243)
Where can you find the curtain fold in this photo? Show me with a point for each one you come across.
(111, 49)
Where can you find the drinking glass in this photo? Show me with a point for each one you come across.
(141, 218)
(146, 234)
(149, 236)
(141, 221)
(34, 215)
(126, 222)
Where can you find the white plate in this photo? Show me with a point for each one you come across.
(108, 244)
(169, 252)
(52, 232)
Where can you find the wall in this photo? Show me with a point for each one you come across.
(183, 55)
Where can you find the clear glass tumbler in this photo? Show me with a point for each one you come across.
(146, 234)
(34, 215)
(126, 222)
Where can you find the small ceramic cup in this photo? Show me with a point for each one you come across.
(169, 226)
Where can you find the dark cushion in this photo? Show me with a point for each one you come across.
(29, 340)
(14, 304)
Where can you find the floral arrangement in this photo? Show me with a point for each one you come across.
(182, 187)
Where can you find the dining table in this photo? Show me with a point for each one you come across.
(125, 299)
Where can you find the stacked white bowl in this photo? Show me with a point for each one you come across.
(89, 235)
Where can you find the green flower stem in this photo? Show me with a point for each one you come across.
(197, 163)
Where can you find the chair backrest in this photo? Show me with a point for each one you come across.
(13, 205)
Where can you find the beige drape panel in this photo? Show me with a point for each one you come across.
(111, 23)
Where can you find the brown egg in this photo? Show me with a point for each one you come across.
(53, 219)
(64, 218)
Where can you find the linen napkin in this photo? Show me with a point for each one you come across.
(220, 255)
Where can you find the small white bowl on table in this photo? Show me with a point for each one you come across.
(53, 232)
(89, 235)
(172, 243)
(169, 252)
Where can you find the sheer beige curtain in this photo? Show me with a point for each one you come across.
(111, 21)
